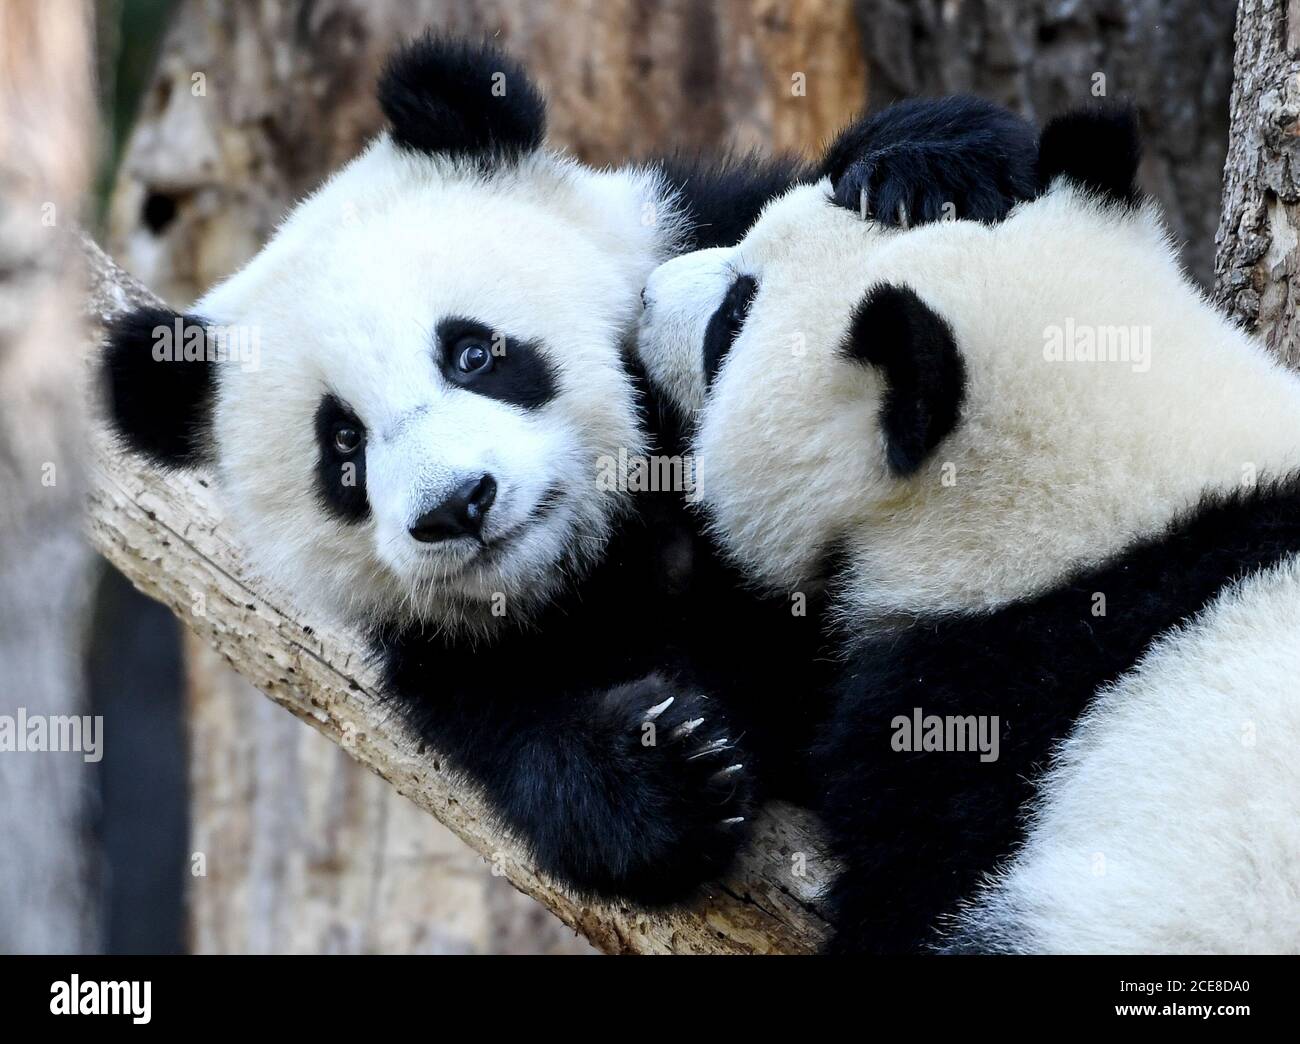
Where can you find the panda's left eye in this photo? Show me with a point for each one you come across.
(347, 439)
(472, 355)
(725, 324)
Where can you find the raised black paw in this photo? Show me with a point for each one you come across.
(668, 796)
(931, 160)
(915, 185)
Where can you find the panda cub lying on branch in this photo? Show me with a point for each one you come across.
(443, 329)
(1100, 556)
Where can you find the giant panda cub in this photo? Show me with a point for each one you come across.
(425, 447)
(1056, 499)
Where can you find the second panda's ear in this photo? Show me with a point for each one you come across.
(1096, 148)
(455, 98)
(911, 344)
(160, 382)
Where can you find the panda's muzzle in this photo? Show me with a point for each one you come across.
(460, 514)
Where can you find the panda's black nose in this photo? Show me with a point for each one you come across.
(461, 514)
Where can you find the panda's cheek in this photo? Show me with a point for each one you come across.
(651, 344)
(681, 298)
(671, 353)
(389, 496)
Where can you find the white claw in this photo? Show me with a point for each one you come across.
(732, 821)
(711, 747)
(728, 772)
(687, 727)
(659, 708)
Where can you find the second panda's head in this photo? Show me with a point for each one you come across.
(919, 416)
(406, 392)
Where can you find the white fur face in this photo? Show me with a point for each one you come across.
(355, 299)
(785, 443)
(1055, 462)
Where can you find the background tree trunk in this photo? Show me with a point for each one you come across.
(1257, 269)
(46, 900)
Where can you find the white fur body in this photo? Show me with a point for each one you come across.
(1170, 820)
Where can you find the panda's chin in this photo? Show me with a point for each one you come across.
(512, 573)
(462, 567)
(466, 559)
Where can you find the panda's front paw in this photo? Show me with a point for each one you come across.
(905, 185)
(683, 738)
(671, 795)
(869, 187)
(930, 160)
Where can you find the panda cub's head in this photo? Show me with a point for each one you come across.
(962, 414)
(436, 359)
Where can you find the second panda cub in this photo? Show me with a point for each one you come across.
(1055, 498)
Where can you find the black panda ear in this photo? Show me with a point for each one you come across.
(1098, 149)
(455, 98)
(895, 331)
(160, 381)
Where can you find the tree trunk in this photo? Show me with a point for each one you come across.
(251, 106)
(46, 861)
(1258, 265)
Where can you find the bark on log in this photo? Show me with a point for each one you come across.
(47, 898)
(167, 534)
(1257, 269)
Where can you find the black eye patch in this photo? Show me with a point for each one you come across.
(341, 467)
(724, 325)
(473, 356)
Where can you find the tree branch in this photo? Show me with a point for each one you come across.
(166, 533)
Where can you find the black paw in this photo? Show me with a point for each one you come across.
(669, 801)
(916, 185)
(923, 161)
